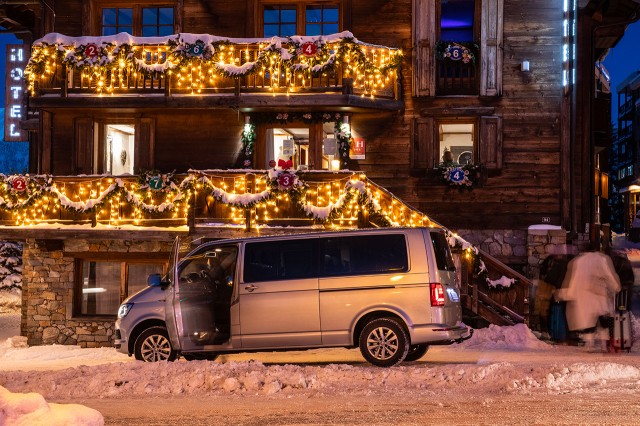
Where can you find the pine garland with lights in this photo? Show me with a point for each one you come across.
(197, 59)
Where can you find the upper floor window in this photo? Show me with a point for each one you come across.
(457, 143)
(321, 20)
(279, 21)
(299, 18)
(457, 19)
(117, 20)
(148, 20)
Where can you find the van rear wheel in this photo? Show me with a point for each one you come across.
(153, 345)
(384, 342)
(416, 352)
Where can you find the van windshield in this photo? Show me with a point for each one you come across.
(442, 252)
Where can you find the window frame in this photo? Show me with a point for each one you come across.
(458, 120)
(301, 17)
(160, 259)
(95, 26)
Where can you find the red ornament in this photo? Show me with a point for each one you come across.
(91, 50)
(309, 49)
(272, 163)
(286, 179)
(19, 184)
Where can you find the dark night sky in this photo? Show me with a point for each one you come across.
(621, 61)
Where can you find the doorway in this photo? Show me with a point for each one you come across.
(308, 147)
(119, 146)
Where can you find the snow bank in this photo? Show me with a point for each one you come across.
(31, 409)
(517, 337)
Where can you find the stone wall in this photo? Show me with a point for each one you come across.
(48, 291)
(499, 243)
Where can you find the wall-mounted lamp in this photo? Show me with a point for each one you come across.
(524, 66)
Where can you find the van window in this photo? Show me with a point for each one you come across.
(367, 254)
(280, 260)
(444, 260)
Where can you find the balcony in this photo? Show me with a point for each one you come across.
(184, 69)
(456, 72)
(205, 203)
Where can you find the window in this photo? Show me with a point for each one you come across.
(457, 143)
(105, 284)
(441, 249)
(281, 260)
(299, 18)
(148, 20)
(460, 21)
(279, 21)
(321, 20)
(117, 20)
(157, 21)
(119, 149)
(369, 254)
(300, 144)
(457, 19)
(476, 140)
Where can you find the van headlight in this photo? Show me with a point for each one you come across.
(124, 309)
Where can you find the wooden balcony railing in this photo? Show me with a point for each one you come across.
(500, 305)
(209, 65)
(201, 199)
(456, 78)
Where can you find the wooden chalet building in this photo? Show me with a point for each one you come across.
(168, 130)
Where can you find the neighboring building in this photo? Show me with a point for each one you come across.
(627, 147)
(503, 87)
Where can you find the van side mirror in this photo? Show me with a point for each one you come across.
(154, 280)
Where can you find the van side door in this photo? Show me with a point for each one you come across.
(201, 297)
(279, 294)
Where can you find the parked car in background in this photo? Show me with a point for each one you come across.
(391, 292)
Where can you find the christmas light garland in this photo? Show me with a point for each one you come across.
(199, 58)
(157, 193)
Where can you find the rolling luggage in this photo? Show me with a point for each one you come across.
(558, 322)
(621, 338)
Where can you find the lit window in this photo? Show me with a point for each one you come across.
(105, 283)
(457, 143)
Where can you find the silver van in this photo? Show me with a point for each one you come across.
(391, 292)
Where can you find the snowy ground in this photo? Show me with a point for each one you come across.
(501, 375)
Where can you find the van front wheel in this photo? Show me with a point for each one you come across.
(153, 345)
(384, 342)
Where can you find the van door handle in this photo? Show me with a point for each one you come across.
(251, 287)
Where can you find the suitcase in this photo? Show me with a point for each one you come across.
(558, 322)
(621, 339)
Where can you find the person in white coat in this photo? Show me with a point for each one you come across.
(589, 288)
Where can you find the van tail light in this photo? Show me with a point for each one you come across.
(437, 294)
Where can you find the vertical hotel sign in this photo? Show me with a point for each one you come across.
(15, 87)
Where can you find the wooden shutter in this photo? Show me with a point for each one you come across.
(490, 144)
(46, 142)
(144, 140)
(83, 146)
(423, 149)
(424, 38)
(491, 48)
